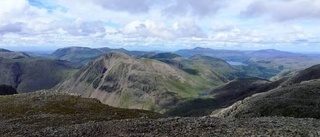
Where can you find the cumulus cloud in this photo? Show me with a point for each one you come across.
(194, 7)
(136, 6)
(187, 28)
(167, 7)
(11, 28)
(11, 9)
(283, 10)
(147, 28)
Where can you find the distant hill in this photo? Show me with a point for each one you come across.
(83, 55)
(235, 55)
(77, 54)
(32, 74)
(124, 81)
(230, 55)
(4, 53)
(272, 53)
(297, 96)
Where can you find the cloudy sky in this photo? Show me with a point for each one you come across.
(161, 24)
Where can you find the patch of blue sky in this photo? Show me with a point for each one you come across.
(111, 24)
(48, 5)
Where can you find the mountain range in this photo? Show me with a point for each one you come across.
(62, 93)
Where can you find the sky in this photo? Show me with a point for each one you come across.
(291, 25)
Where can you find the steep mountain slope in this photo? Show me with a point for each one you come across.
(12, 55)
(298, 96)
(123, 81)
(32, 74)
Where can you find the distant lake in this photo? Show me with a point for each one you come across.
(234, 63)
(203, 94)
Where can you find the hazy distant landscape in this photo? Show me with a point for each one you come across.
(160, 68)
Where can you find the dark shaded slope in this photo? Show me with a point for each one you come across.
(304, 75)
(32, 74)
(299, 100)
(296, 96)
(222, 97)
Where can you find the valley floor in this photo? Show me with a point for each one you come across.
(192, 126)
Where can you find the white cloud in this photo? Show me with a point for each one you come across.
(169, 23)
(283, 10)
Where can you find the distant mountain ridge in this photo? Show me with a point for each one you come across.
(235, 55)
(83, 55)
(4, 53)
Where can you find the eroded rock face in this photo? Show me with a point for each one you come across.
(7, 90)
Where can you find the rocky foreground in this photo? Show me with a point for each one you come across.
(200, 126)
(59, 114)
